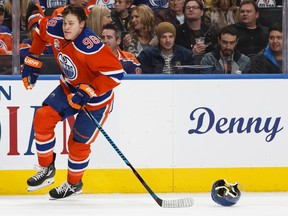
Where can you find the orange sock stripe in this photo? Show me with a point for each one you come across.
(46, 159)
(74, 177)
(43, 137)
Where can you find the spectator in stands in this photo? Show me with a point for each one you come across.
(99, 16)
(155, 4)
(83, 3)
(5, 35)
(253, 36)
(107, 3)
(207, 3)
(7, 21)
(52, 4)
(24, 4)
(26, 43)
(270, 60)
(173, 14)
(141, 31)
(111, 36)
(222, 13)
(266, 3)
(167, 57)
(193, 28)
(121, 16)
(225, 59)
(5, 40)
(2, 13)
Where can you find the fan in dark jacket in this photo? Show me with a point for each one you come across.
(225, 59)
(252, 35)
(270, 60)
(193, 27)
(166, 57)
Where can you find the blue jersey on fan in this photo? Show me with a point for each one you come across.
(153, 3)
(53, 3)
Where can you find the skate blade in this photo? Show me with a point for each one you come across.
(46, 183)
(76, 193)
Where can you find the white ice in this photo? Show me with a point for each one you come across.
(264, 204)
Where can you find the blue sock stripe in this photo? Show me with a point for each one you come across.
(77, 166)
(44, 147)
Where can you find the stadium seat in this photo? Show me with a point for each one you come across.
(23, 35)
(50, 65)
(5, 64)
(268, 16)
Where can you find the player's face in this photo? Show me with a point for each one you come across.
(167, 41)
(108, 37)
(227, 43)
(275, 41)
(72, 27)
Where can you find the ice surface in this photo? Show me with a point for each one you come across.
(264, 204)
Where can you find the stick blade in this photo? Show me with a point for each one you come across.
(179, 203)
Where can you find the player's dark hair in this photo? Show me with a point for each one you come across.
(114, 28)
(75, 9)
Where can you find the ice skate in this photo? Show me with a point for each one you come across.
(43, 178)
(66, 190)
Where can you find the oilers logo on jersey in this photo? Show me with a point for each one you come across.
(3, 45)
(68, 66)
(108, 3)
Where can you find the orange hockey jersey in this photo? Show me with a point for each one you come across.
(83, 60)
(5, 41)
(57, 12)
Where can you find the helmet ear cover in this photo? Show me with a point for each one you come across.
(224, 193)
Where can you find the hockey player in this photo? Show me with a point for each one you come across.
(90, 71)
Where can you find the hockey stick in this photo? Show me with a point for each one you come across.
(178, 203)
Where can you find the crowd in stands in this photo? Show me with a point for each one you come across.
(166, 36)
